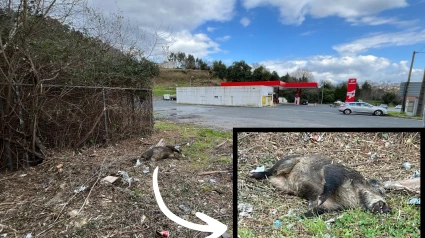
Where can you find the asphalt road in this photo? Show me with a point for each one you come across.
(283, 115)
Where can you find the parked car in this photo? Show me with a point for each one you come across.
(384, 106)
(336, 104)
(398, 107)
(304, 102)
(362, 107)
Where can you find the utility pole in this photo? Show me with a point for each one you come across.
(420, 110)
(407, 84)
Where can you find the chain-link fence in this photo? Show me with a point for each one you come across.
(33, 118)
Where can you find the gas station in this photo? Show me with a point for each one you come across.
(276, 84)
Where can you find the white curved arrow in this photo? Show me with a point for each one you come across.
(217, 228)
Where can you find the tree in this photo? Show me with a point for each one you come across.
(255, 66)
(329, 95)
(358, 91)
(261, 74)
(219, 69)
(302, 75)
(326, 84)
(181, 58)
(274, 76)
(37, 48)
(286, 78)
(341, 91)
(389, 97)
(172, 57)
(239, 71)
(202, 65)
(190, 62)
(366, 91)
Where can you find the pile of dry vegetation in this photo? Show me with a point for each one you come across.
(64, 196)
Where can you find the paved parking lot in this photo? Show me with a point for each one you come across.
(284, 115)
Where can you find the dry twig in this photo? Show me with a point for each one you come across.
(214, 172)
(97, 180)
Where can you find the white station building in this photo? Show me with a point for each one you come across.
(245, 94)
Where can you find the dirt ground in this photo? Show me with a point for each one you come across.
(44, 200)
(375, 155)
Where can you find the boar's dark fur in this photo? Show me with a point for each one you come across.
(159, 153)
(326, 184)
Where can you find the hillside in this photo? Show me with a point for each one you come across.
(169, 79)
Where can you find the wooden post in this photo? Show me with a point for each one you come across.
(407, 84)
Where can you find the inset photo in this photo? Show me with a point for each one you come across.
(328, 184)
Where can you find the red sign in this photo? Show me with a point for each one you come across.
(351, 90)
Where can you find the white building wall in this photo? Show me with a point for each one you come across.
(251, 96)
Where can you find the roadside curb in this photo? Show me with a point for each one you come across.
(406, 117)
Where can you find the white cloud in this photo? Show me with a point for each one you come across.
(375, 21)
(177, 18)
(245, 21)
(224, 38)
(381, 40)
(339, 69)
(211, 29)
(307, 33)
(198, 45)
(294, 12)
(179, 15)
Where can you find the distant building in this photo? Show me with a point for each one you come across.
(168, 65)
(412, 91)
(412, 97)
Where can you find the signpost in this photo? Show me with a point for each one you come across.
(351, 90)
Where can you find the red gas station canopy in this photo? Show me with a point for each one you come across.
(276, 83)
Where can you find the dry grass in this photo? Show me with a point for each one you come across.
(41, 200)
(182, 77)
(354, 148)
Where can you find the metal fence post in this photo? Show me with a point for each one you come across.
(104, 113)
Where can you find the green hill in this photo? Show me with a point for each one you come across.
(169, 79)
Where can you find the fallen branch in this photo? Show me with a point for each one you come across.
(69, 200)
(224, 142)
(38, 155)
(400, 187)
(332, 220)
(214, 172)
(97, 180)
(160, 142)
(363, 163)
(410, 185)
(92, 129)
(51, 226)
(2, 227)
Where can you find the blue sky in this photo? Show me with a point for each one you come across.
(334, 39)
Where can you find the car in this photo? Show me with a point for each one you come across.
(384, 106)
(336, 104)
(398, 107)
(362, 107)
(304, 102)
